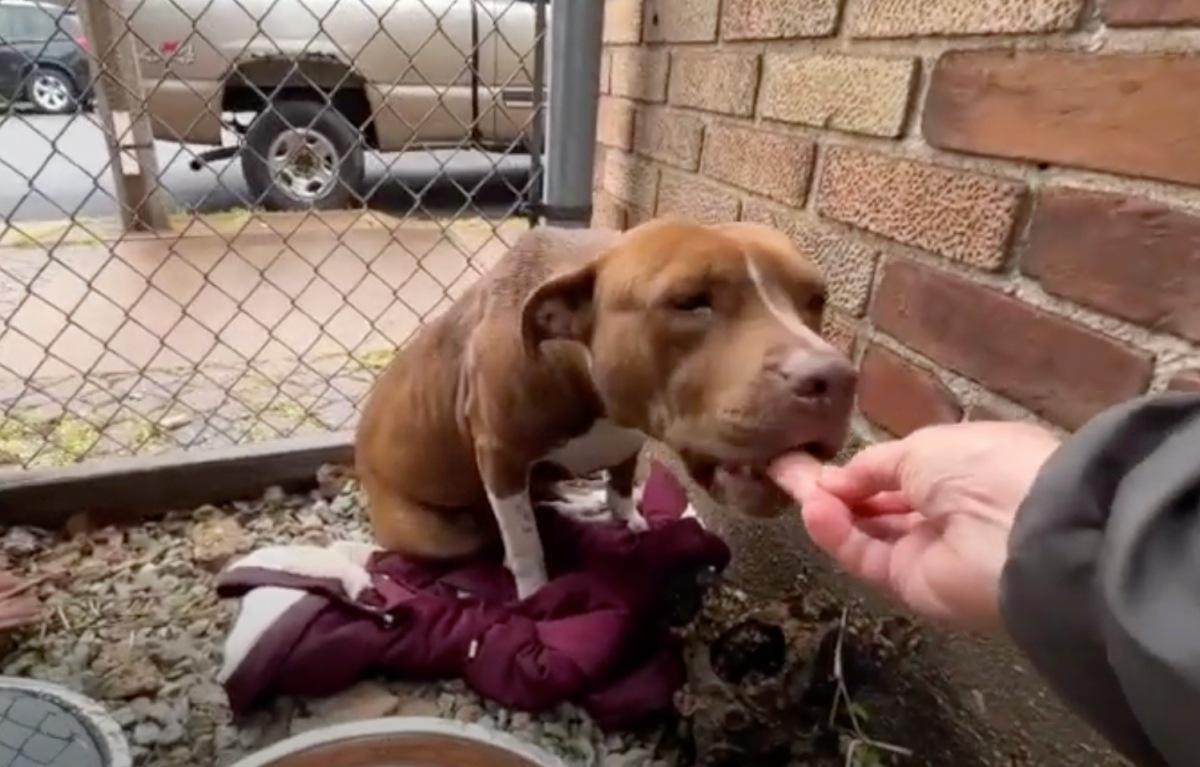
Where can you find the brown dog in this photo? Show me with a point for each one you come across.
(577, 346)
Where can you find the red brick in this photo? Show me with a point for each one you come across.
(902, 397)
(848, 265)
(1186, 380)
(607, 211)
(622, 21)
(772, 164)
(680, 21)
(631, 180)
(716, 82)
(614, 123)
(606, 72)
(1124, 256)
(1139, 13)
(851, 93)
(1118, 113)
(775, 19)
(1059, 370)
(598, 164)
(638, 73)
(963, 216)
(669, 136)
(681, 194)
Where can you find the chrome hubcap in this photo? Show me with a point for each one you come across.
(50, 93)
(303, 164)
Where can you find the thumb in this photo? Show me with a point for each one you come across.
(875, 469)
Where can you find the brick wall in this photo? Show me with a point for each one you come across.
(1005, 196)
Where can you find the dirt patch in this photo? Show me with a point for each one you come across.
(132, 620)
(788, 664)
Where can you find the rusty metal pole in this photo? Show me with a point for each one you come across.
(121, 104)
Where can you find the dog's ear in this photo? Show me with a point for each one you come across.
(561, 307)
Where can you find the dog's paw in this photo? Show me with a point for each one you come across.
(586, 506)
(636, 522)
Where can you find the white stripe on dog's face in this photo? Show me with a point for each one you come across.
(782, 310)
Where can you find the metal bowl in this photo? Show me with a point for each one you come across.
(402, 741)
(55, 726)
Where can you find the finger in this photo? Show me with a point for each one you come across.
(796, 473)
(874, 470)
(890, 528)
(833, 528)
(887, 503)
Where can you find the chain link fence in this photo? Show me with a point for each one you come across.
(333, 172)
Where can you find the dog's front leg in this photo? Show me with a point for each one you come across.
(507, 485)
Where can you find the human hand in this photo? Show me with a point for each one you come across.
(925, 518)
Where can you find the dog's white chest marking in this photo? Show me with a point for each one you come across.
(603, 446)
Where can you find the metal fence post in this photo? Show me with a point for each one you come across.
(575, 33)
(122, 107)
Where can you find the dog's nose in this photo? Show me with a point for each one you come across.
(819, 377)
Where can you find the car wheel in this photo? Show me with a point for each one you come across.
(300, 155)
(51, 92)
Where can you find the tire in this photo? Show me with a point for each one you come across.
(303, 155)
(51, 92)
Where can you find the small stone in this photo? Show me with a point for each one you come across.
(155, 710)
(446, 704)
(20, 542)
(123, 716)
(418, 707)
(216, 541)
(126, 673)
(207, 694)
(308, 520)
(274, 495)
(175, 421)
(468, 712)
(146, 734)
(332, 480)
(365, 700)
(171, 733)
(634, 757)
(342, 505)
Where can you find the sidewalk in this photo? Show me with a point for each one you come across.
(236, 328)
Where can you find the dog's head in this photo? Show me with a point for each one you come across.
(705, 337)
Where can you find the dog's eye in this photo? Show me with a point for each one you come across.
(696, 303)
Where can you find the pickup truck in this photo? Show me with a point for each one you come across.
(306, 87)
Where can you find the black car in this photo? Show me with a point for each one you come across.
(43, 56)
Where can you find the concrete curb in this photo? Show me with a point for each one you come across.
(400, 725)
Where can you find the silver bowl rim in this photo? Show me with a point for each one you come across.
(103, 727)
(399, 725)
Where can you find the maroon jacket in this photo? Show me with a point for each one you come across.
(315, 620)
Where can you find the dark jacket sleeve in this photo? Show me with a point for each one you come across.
(1102, 586)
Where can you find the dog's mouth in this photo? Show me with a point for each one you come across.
(742, 483)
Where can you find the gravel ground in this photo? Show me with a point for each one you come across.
(132, 620)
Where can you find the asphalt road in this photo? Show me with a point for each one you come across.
(57, 167)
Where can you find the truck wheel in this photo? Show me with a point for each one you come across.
(50, 91)
(300, 155)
